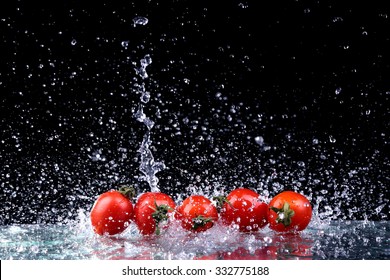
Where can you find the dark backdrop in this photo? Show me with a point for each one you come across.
(270, 95)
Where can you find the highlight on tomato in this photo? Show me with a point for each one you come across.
(152, 212)
(112, 211)
(289, 211)
(197, 213)
(244, 208)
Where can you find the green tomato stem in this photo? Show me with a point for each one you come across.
(128, 191)
(284, 214)
(160, 214)
(200, 221)
(221, 200)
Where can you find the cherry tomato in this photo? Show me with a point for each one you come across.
(244, 208)
(289, 212)
(111, 214)
(151, 209)
(197, 213)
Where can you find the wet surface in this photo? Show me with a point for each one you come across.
(326, 241)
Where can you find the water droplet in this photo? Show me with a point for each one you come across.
(243, 5)
(140, 21)
(125, 44)
(338, 19)
(34, 249)
(379, 208)
(145, 62)
(267, 239)
(145, 96)
(259, 140)
(73, 42)
(20, 249)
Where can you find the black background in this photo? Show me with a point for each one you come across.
(310, 77)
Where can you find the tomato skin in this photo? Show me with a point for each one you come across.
(193, 207)
(298, 203)
(111, 214)
(146, 206)
(245, 209)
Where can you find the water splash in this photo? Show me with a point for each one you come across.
(340, 240)
(148, 166)
(145, 62)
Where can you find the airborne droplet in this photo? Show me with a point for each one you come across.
(140, 21)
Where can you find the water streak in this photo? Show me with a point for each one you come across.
(148, 166)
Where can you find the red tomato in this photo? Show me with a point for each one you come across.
(197, 213)
(111, 213)
(266, 253)
(244, 208)
(150, 210)
(289, 212)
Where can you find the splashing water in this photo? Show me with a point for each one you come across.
(338, 240)
(148, 166)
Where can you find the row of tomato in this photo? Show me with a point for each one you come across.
(114, 210)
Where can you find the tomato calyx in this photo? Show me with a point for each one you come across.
(284, 214)
(221, 200)
(200, 221)
(159, 215)
(127, 190)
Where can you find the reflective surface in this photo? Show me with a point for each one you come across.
(334, 240)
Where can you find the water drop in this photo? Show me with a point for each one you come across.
(20, 249)
(145, 96)
(259, 140)
(338, 19)
(267, 239)
(73, 42)
(332, 139)
(379, 208)
(125, 44)
(34, 249)
(140, 21)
